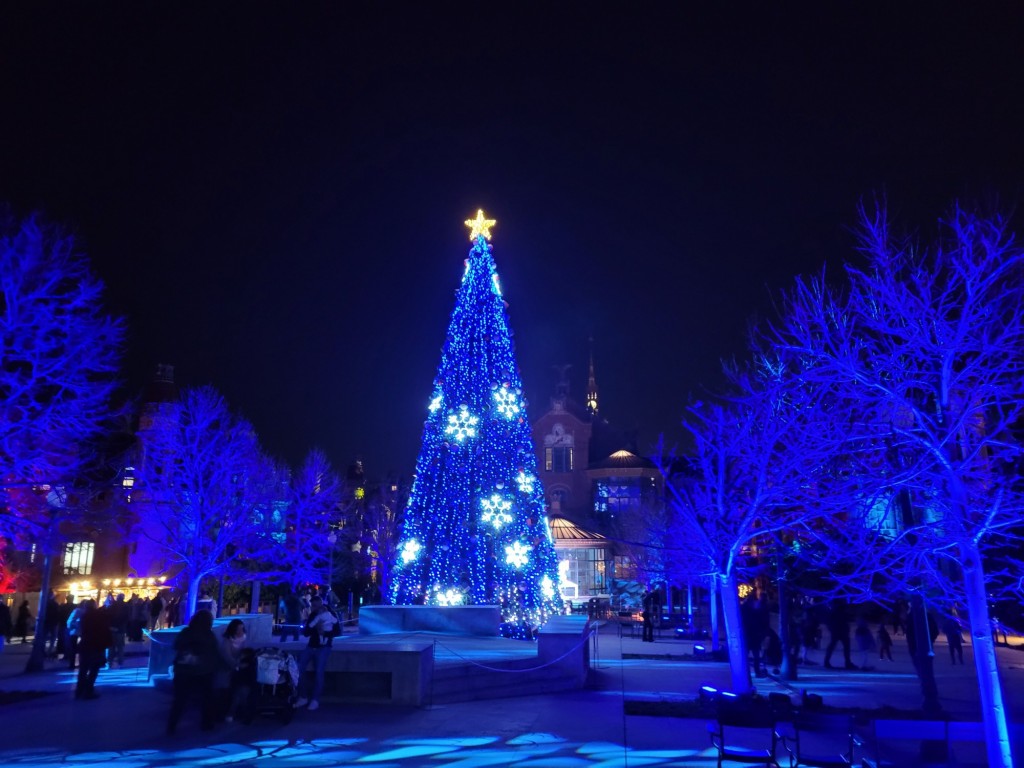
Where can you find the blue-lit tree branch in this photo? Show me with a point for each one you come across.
(204, 490)
(59, 354)
(921, 351)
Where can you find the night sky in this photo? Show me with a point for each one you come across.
(274, 195)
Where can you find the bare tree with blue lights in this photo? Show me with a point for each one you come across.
(475, 530)
(741, 490)
(59, 354)
(923, 352)
(205, 491)
(296, 544)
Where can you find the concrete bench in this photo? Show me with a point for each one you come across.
(393, 673)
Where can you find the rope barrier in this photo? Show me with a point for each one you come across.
(149, 633)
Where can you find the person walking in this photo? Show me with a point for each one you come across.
(810, 637)
(92, 647)
(865, 640)
(21, 623)
(62, 625)
(839, 633)
(884, 643)
(899, 616)
(74, 633)
(321, 628)
(196, 661)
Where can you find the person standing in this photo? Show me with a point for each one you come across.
(51, 624)
(647, 615)
(955, 638)
(118, 614)
(226, 681)
(321, 628)
(156, 607)
(292, 605)
(196, 661)
(92, 647)
(22, 621)
(137, 617)
(173, 611)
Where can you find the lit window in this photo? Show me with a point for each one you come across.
(615, 497)
(78, 558)
(558, 459)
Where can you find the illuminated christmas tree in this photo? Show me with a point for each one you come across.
(475, 532)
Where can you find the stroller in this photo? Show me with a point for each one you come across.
(277, 680)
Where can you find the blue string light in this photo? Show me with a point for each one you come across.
(475, 529)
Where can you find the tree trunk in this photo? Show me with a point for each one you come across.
(37, 658)
(993, 710)
(921, 653)
(716, 642)
(254, 600)
(739, 661)
(191, 597)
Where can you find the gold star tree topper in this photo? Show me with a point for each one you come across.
(480, 226)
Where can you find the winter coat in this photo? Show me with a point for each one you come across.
(95, 631)
(196, 653)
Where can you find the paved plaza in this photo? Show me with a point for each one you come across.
(125, 726)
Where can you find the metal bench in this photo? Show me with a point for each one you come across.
(744, 734)
(906, 744)
(818, 739)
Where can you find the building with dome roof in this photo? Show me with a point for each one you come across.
(596, 486)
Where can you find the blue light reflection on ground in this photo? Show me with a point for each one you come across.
(127, 677)
(531, 750)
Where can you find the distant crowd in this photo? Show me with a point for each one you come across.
(809, 617)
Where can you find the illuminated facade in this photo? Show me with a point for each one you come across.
(595, 484)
